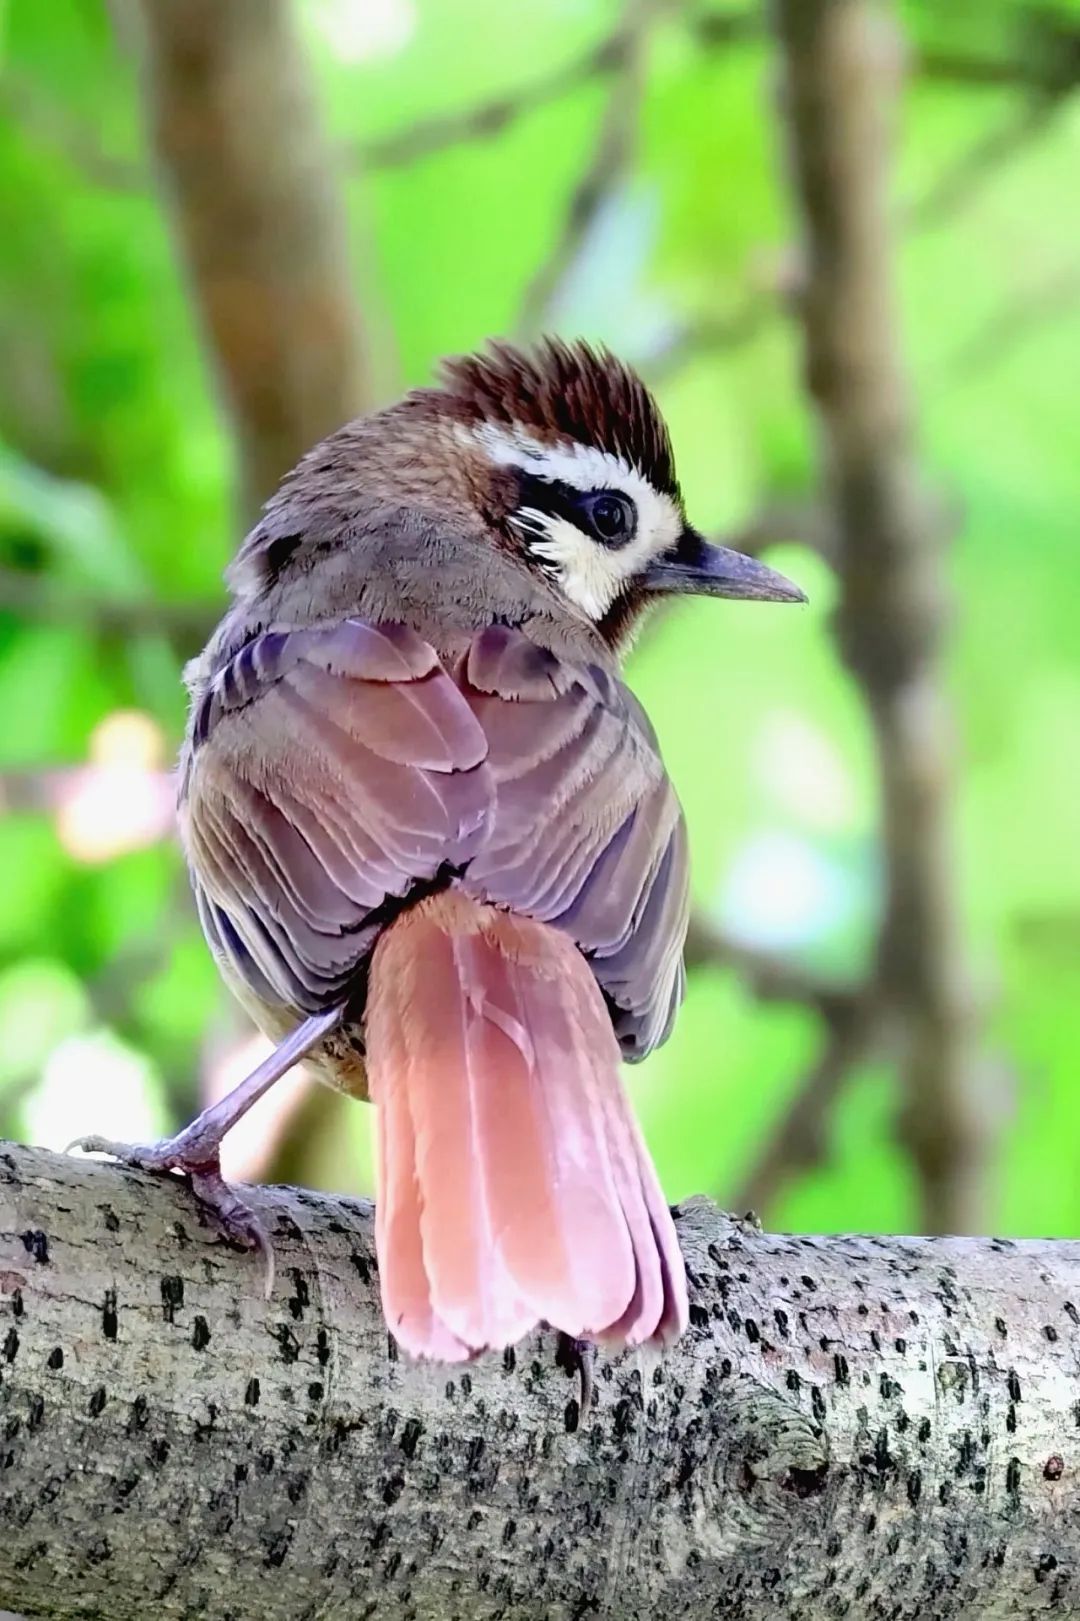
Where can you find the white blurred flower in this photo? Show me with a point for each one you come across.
(122, 800)
(94, 1083)
(803, 773)
(127, 737)
(364, 30)
(782, 892)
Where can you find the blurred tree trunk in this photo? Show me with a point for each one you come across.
(841, 66)
(869, 1427)
(257, 206)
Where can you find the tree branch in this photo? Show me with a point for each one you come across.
(955, 185)
(715, 335)
(51, 124)
(771, 977)
(260, 217)
(36, 596)
(1047, 66)
(877, 1427)
(490, 118)
(851, 1016)
(1014, 323)
(798, 1141)
(232, 113)
(1044, 57)
(841, 62)
(605, 169)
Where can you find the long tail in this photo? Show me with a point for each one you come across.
(515, 1187)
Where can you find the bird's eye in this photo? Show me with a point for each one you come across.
(611, 517)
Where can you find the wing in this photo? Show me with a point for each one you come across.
(330, 772)
(587, 833)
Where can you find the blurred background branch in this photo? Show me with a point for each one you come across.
(842, 68)
(233, 120)
(799, 1142)
(605, 170)
(612, 54)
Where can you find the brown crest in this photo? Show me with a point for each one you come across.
(567, 391)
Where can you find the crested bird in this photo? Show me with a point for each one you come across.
(433, 845)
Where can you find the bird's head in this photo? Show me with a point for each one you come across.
(581, 481)
(557, 456)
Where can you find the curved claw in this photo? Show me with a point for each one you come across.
(578, 1357)
(238, 1219)
(196, 1151)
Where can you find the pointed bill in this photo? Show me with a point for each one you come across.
(695, 566)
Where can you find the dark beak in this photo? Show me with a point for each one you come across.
(693, 565)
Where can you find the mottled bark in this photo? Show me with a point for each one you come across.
(878, 1427)
(234, 122)
(842, 62)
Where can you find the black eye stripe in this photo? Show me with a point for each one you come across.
(562, 500)
(550, 495)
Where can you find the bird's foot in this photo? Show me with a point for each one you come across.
(199, 1160)
(578, 1356)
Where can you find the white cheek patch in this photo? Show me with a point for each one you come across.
(590, 574)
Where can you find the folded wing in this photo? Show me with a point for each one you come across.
(331, 772)
(587, 833)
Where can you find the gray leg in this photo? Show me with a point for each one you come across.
(196, 1151)
(578, 1357)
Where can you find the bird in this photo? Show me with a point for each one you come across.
(434, 848)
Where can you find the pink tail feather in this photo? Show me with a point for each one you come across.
(515, 1187)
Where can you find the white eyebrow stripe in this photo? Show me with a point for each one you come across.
(583, 467)
(590, 574)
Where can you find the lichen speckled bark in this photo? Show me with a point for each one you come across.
(879, 1427)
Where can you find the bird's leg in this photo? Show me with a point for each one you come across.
(578, 1356)
(196, 1151)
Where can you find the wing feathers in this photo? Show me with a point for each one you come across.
(356, 775)
(606, 861)
(366, 768)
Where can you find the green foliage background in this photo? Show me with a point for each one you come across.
(116, 482)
